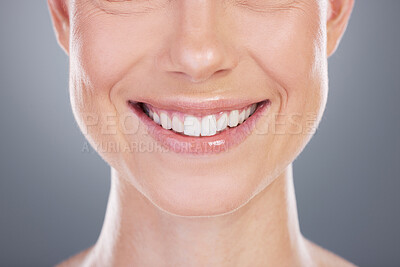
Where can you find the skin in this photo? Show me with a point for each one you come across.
(236, 208)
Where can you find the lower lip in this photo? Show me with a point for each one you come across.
(221, 142)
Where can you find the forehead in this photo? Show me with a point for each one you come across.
(148, 4)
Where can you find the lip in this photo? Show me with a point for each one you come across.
(198, 107)
(202, 145)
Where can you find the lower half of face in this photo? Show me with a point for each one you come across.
(199, 148)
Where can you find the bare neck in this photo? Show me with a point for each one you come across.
(265, 230)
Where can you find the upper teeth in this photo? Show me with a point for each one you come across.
(195, 126)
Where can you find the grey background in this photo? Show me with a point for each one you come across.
(53, 196)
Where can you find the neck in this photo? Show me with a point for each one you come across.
(265, 230)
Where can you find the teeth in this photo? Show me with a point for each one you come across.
(165, 121)
(156, 118)
(241, 116)
(195, 126)
(208, 125)
(177, 125)
(222, 122)
(233, 118)
(192, 126)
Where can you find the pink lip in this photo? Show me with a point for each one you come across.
(220, 142)
(198, 108)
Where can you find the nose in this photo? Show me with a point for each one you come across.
(198, 47)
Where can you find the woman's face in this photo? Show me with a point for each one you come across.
(200, 58)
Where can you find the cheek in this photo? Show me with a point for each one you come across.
(98, 60)
(289, 49)
(100, 57)
(108, 46)
(102, 54)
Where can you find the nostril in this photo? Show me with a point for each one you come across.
(201, 77)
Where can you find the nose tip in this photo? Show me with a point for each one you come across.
(198, 57)
(200, 61)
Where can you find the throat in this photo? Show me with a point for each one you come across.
(137, 232)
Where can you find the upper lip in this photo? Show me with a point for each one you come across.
(197, 106)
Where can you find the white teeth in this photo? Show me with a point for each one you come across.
(233, 118)
(242, 116)
(156, 118)
(177, 125)
(165, 121)
(204, 126)
(222, 122)
(208, 125)
(192, 126)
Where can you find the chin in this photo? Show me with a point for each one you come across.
(203, 188)
(200, 196)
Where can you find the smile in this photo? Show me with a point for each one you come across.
(199, 131)
(190, 125)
